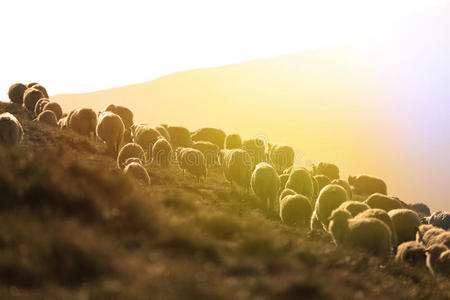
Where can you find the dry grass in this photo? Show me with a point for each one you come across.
(73, 227)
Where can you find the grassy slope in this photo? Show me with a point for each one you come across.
(72, 226)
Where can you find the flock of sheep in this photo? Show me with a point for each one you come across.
(357, 212)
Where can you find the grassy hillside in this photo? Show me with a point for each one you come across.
(73, 227)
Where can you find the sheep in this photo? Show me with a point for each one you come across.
(345, 185)
(83, 121)
(137, 171)
(110, 129)
(315, 224)
(322, 181)
(123, 112)
(421, 209)
(429, 237)
(442, 238)
(434, 253)
(440, 219)
(145, 136)
(179, 136)
(47, 117)
(315, 188)
(354, 207)
(161, 152)
(11, 131)
(288, 170)
(193, 161)
(212, 135)
(282, 156)
(286, 192)
(31, 84)
(133, 160)
(383, 217)
(300, 181)
(209, 150)
(129, 150)
(422, 230)
(378, 200)
(330, 198)
(283, 180)
(295, 210)
(412, 253)
(40, 88)
(256, 148)
(236, 165)
(39, 107)
(30, 98)
(55, 107)
(62, 123)
(406, 223)
(233, 141)
(15, 93)
(265, 184)
(367, 233)
(327, 169)
(442, 265)
(163, 132)
(367, 185)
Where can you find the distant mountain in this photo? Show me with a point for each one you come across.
(379, 106)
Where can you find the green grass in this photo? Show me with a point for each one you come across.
(72, 226)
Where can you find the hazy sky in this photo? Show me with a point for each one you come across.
(81, 46)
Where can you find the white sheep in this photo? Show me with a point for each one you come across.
(110, 129)
(367, 233)
(295, 210)
(330, 198)
(129, 150)
(11, 131)
(300, 180)
(265, 183)
(282, 156)
(433, 256)
(161, 152)
(193, 161)
(137, 171)
(442, 238)
(412, 253)
(236, 165)
(83, 121)
(406, 223)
